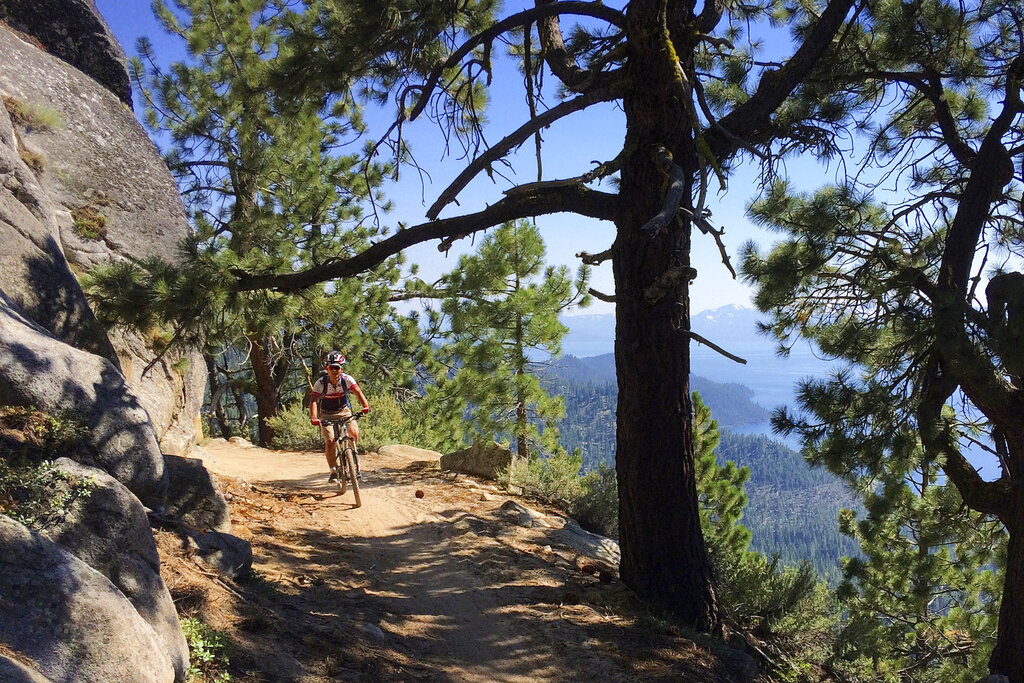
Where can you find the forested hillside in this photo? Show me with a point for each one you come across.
(792, 508)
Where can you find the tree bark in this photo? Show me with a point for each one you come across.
(218, 418)
(664, 558)
(1008, 656)
(267, 389)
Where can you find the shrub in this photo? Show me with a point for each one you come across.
(207, 650)
(554, 478)
(597, 509)
(386, 424)
(787, 608)
(89, 223)
(33, 160)
(33, 116)
(39, 434)
(292, 430)
(38, 495)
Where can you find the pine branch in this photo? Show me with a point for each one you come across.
(595, 9)
(578, 200)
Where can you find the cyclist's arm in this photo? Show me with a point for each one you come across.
(362, 398)
(314, 405)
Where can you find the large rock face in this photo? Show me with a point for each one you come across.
(192, 496)
(74, 31)
(70, 620)
(109, 531)
(81, 184)
(38, 370)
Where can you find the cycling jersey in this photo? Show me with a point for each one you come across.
(333, 398)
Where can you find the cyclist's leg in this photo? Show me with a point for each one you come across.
(330, 434)
(353, 432)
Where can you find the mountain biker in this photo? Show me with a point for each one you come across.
(329, 401)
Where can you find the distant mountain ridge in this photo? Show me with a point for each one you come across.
(773, 378)
(594, 334)
(731, 403)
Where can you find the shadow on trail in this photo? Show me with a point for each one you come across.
(452, 605)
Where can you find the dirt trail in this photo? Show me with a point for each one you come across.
(445, 587)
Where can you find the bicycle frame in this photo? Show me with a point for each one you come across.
(345, 455)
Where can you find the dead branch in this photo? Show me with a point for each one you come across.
(513, 140)
(715, 347)
(595, 259)
(591, 9)
(673, 195)
(600, 171)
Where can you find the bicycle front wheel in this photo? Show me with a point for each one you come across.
(350, 464)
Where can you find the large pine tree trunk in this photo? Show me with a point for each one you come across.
(1008, 656)
(664, 557)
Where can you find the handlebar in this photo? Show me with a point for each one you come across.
(342, 421)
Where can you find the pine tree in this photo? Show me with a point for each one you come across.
(504, 322)
(721, 491)
(696, 98)
(921, 602)
(267, 189)
(918, 290)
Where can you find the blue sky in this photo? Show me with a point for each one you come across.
(570, 147)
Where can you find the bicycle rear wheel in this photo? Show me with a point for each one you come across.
(350, 464)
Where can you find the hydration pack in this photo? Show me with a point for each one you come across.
(325, 382)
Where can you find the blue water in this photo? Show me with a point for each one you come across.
(773, 379)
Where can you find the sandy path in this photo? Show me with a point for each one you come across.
(435, 589)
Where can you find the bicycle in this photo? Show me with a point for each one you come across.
(345, 453)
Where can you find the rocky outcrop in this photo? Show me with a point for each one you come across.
(73, 31)
(109, 531)
(225, 553)
(81, 184)
(480, 459)
(38, 370)
(33, 271)
(192, 497)
(70, 620)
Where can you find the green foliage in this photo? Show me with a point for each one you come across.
(386, 424)
(208, 652)
(32, 491)
(554, 478)
(788, 609)
(719, 489)
(89, 222)
(503, 305)
(934, 563)
(38, 495)
(40, 435)
(293, 431)
(597, 508)
(32, 115)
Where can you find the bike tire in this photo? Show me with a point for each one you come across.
(350, 465)
(342, 481)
